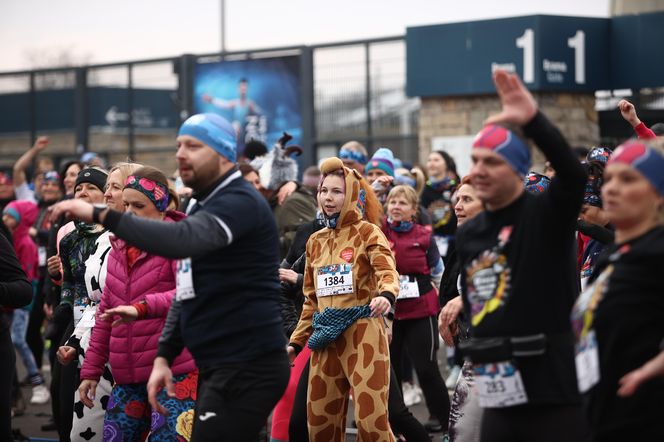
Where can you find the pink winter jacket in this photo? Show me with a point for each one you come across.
(132, 348)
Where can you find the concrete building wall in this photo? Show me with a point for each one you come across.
(624, 7)
(573, 114)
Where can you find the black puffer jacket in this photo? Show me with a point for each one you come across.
(291, 297)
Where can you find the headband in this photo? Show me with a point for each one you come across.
(156, 192)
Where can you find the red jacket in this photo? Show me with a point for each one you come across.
(410, 251)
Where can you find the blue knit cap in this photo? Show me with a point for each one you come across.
(11, 211)
(383, 159)
(506, 144)
(213, 130)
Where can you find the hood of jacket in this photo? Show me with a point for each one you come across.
(28, 212)
(355, 199)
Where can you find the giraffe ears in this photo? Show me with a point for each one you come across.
(357, 174)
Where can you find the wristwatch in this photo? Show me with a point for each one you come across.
(96, 211)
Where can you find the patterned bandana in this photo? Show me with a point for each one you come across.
(331, 221)
(156, 192)
(536, 183)
(52, 176)
(444, 184)
(362, 202)
(320, 218)
(644, 159)
(352, 155)
(400, 226)
(599, 156)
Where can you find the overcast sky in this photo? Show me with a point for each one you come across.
(122, 30)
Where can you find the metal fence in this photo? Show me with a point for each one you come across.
(349, 90)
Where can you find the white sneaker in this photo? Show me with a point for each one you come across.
(418, 394)
(40, 395)
(407, 394)
(452, 379)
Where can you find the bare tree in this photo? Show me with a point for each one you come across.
(46, 58)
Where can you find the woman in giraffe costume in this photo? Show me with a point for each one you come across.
(350, 281)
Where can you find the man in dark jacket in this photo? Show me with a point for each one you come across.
(226, 310)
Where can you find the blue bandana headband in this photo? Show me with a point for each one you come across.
(352, 155)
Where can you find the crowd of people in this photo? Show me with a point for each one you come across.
(237, 298)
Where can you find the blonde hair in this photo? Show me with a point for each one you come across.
(415, 174)
(407, 192)
(126, 168)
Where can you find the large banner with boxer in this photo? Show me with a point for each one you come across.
(260, 97)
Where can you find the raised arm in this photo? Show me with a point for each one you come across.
(628, 112)
(520, 108)
(26, 160)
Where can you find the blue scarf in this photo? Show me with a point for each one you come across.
(400, 226)
(441, 185)
(331, 221)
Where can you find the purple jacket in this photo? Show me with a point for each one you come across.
(131, 348)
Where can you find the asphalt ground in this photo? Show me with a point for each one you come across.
(35, 416)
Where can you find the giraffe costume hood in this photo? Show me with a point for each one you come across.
(355, 199)
(347, 265)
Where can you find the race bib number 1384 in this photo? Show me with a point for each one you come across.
(336, 279)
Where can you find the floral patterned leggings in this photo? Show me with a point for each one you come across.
(129, 416)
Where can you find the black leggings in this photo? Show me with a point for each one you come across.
(33, 335)
(401, 419)
(64, 383)
(542, 423)
(419, 337)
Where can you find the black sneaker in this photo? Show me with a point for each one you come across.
(17, 436)
(49, 426)
(433, 425)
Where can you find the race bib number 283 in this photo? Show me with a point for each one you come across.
(499, 385)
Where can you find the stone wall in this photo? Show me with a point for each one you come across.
(573, 114)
